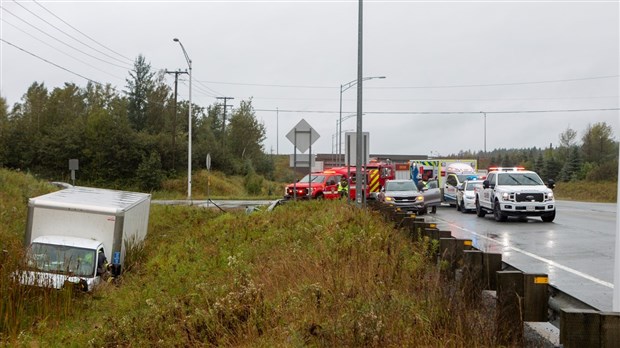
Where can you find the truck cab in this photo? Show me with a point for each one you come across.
(54, 261)
(319, 185)
(515, 192)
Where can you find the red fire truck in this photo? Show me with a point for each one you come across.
(324, 184)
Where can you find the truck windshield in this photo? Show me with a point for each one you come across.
(519, 179)
(61, 259)
(313, 178)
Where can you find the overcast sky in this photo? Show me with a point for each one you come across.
(445, 63)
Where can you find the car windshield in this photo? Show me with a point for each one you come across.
(470, 185)
(400, 186)
(314, 178)
(519, 179)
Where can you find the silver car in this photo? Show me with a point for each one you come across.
(466, 195)
(402, 194)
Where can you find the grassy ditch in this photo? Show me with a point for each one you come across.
(587, 191)
(312, 273)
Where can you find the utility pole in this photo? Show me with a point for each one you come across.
(224, 120)
(174, 122)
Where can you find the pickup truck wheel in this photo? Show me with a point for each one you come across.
(497, 213)
(319, 196)
(548, 218)
(479, 211)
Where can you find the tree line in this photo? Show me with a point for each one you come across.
(138, 137)
(133, 138)
(592, 157)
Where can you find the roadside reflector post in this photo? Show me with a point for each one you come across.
(472, 282)
(536, 297)
(580, 328)
(508, 322)
(491, 264)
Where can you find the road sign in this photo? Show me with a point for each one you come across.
(302, 136)
(351, 148)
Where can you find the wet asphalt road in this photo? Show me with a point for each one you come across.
(576, 251)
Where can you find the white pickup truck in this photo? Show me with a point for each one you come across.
(514, 192)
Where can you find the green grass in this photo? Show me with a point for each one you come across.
(601, 191)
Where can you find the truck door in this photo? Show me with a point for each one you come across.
(331, 187)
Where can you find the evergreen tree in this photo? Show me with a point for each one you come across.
(139, 87)
(570, 170)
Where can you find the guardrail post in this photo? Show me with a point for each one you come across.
(472, 283)
(580, 328)
(408, 221)
(536, 297)
(508, 322)
(491, 264)
(447, 253)
(610, 329)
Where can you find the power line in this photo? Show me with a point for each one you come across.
(502, 84)
(74, 28)
(69, 35)
(64, 43)
(420, 87)
(55, 48)
(47, 61)
(199, 89)
(210, 89)
(268, 85)
(440, 112)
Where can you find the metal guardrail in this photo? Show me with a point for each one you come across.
(521, 297)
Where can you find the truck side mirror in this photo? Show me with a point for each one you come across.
(551, 184)
(485, 184)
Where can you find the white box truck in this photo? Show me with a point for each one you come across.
(68, 232)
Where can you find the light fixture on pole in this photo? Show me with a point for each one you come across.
(189, 125)
(343, 88)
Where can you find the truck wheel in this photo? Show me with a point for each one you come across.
(479, 211)
(497, 213)
(548, 218)
(319, 196)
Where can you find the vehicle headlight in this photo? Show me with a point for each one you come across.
(505, 196)
(420, 198)
(388, 199)
(550, 195)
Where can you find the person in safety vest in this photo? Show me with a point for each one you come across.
(343, 188)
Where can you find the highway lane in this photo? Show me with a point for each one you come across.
(576, 250)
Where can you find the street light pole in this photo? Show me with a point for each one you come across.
(343, 88)
(189, 125)
(358, 151)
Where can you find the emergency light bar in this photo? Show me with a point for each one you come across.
(506, 169)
